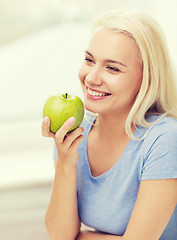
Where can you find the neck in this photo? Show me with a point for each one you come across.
(111, 126)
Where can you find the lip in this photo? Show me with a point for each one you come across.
(96, 97)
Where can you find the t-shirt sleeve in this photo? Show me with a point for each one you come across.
(160, 156)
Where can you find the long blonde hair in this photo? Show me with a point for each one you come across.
(158, 92)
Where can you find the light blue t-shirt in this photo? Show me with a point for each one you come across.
(106, 202)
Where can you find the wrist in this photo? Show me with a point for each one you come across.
(65, 169)
(66, 164)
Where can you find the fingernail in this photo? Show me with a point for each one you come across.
(71, 120)
(45, 120)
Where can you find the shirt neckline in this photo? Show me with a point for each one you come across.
(109, 171)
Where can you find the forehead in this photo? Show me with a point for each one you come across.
(107, 43)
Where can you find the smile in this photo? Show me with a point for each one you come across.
(96, 94)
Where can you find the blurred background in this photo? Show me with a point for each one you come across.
(41, 50)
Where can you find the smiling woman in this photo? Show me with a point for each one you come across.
(120, 178)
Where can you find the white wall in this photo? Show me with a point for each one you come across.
(32, 68)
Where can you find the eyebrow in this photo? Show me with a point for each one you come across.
(108, 60)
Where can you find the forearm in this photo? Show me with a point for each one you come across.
(62, 213)
(89, 235)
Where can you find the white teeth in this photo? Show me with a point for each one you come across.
(94, 93)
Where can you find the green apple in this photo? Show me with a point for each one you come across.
(61, 107)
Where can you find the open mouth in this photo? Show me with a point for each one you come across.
(95, 93)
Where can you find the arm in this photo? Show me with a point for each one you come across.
(153, 209)
(154, 206)
(62, 219)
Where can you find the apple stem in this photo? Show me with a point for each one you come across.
(66, 95)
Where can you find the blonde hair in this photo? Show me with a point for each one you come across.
(158, 92)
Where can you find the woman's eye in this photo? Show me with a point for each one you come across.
(88, 60)
(113, 69)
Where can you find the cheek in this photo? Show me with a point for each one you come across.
(82, 74)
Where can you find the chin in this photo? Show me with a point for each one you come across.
(94, 109)
(90, 109)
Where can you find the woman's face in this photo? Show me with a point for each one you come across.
(111, 73)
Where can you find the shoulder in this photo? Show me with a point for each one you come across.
(166, 126)
(160, 150)
(162, 135)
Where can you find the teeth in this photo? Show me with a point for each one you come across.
(94, 93)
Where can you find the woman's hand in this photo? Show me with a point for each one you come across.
(66, 143)
(62, 213)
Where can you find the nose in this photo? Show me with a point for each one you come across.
(94, 77)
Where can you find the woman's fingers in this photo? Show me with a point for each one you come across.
(61, 133)
(73, 137)
(77, 141)
(46, 128)
(61, 136)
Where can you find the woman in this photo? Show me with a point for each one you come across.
(117, 173)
